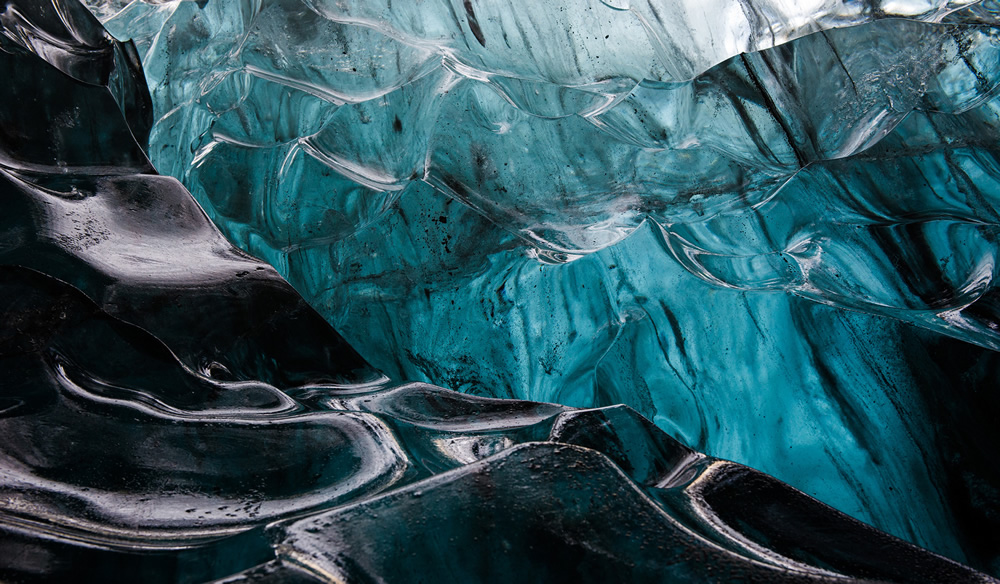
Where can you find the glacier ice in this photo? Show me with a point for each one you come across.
(528, 222)
(767, 226)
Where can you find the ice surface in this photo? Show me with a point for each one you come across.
(423, 172)
(172, 411)
(584, 202)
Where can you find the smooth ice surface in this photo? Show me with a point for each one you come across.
(171, 410)
(301, 160)
(668, 204)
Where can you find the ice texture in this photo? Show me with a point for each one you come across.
(171, 410)
(770, 227)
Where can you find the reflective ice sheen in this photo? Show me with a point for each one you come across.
(172, 411)
(423, 171)
(407, 167)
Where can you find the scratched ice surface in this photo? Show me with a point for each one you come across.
(588, 203)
